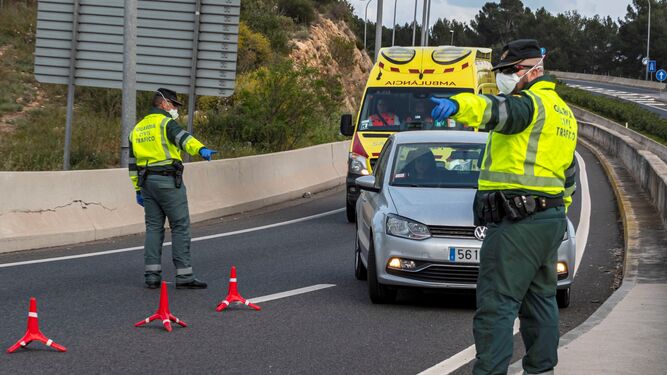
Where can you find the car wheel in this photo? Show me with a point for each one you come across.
(563, 297)
(350, 211)
(359, 268)
(378, 293)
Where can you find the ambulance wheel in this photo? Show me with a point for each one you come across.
(350, 211)
(563, 297)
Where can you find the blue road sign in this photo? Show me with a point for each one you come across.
(652, 66)
(660, 75)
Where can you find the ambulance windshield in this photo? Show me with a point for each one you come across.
(404, 108)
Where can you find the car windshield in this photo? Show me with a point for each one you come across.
(437, 165)
(404, 108)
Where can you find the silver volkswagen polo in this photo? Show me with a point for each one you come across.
(415, 221)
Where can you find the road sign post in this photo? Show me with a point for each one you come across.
(165, 50)
(661, 75)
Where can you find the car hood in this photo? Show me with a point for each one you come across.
(434, 206)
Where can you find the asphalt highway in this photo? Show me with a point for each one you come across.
(90, 304)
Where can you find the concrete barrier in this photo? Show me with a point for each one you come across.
(645, 159)
(610, 79)
(43, 209)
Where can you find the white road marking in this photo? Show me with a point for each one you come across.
(290, 293)
(459, 359)
(203, 238)
(463, 357)
(584, 215)
(638, 98)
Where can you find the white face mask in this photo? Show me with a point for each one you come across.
(507, 82)
(174, 113)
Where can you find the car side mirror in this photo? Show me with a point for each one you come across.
(366, 183)
(346, 127)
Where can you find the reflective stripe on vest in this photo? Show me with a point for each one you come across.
(535, 159)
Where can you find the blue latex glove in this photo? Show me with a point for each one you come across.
(140, 199)
(443, 109)
(206, 153)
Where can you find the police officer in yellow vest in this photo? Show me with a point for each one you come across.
(526, 181)
(156, 170)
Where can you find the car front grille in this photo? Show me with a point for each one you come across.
(442, 273)
(455, 232)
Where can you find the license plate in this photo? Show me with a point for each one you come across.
(463, 255)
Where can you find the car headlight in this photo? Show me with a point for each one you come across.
(401, 227)
(358, 165)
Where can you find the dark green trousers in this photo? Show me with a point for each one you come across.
(163, 200)
(517, 276)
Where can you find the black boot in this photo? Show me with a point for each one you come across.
(194, 284)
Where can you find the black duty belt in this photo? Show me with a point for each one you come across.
(541, 203)
(161, 173)
(493, 206)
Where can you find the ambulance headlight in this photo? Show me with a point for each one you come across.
(358, 165)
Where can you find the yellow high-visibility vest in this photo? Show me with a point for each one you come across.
(534, 159)
(152, 147)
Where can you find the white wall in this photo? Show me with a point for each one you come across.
(43, 209)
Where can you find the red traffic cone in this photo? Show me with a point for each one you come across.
(233, 295)
(163, 312)
(33, 333)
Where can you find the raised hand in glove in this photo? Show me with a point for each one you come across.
(206, 153)
(443, 109)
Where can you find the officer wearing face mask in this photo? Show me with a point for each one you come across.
(526, 181)
(156, 171)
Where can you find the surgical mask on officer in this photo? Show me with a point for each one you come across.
(173, 111)
(507, 82)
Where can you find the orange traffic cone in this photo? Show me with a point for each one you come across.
(233, 295)
(163, 312)
(33, 333)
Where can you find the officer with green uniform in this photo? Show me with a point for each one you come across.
(526, 181)
(156, 171)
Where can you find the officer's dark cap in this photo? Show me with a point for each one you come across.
(169, 95)
(518, 50)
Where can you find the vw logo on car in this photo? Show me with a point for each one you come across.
(480, 233)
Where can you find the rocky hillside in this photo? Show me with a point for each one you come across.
(330, 48)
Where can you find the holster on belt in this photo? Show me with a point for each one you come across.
(493, 207)
(178, 173)
(142, 173)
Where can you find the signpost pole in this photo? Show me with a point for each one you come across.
(424, 16)
(378, 31)
(192, 96)
(129, 110)
(70, 86)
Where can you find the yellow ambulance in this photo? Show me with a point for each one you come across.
(397, 98)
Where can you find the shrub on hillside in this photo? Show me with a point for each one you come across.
(336, 9)
(301, 11)
(262, 16)
(342, 51)
(618, 110)
(279, 109)
(254, 49)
